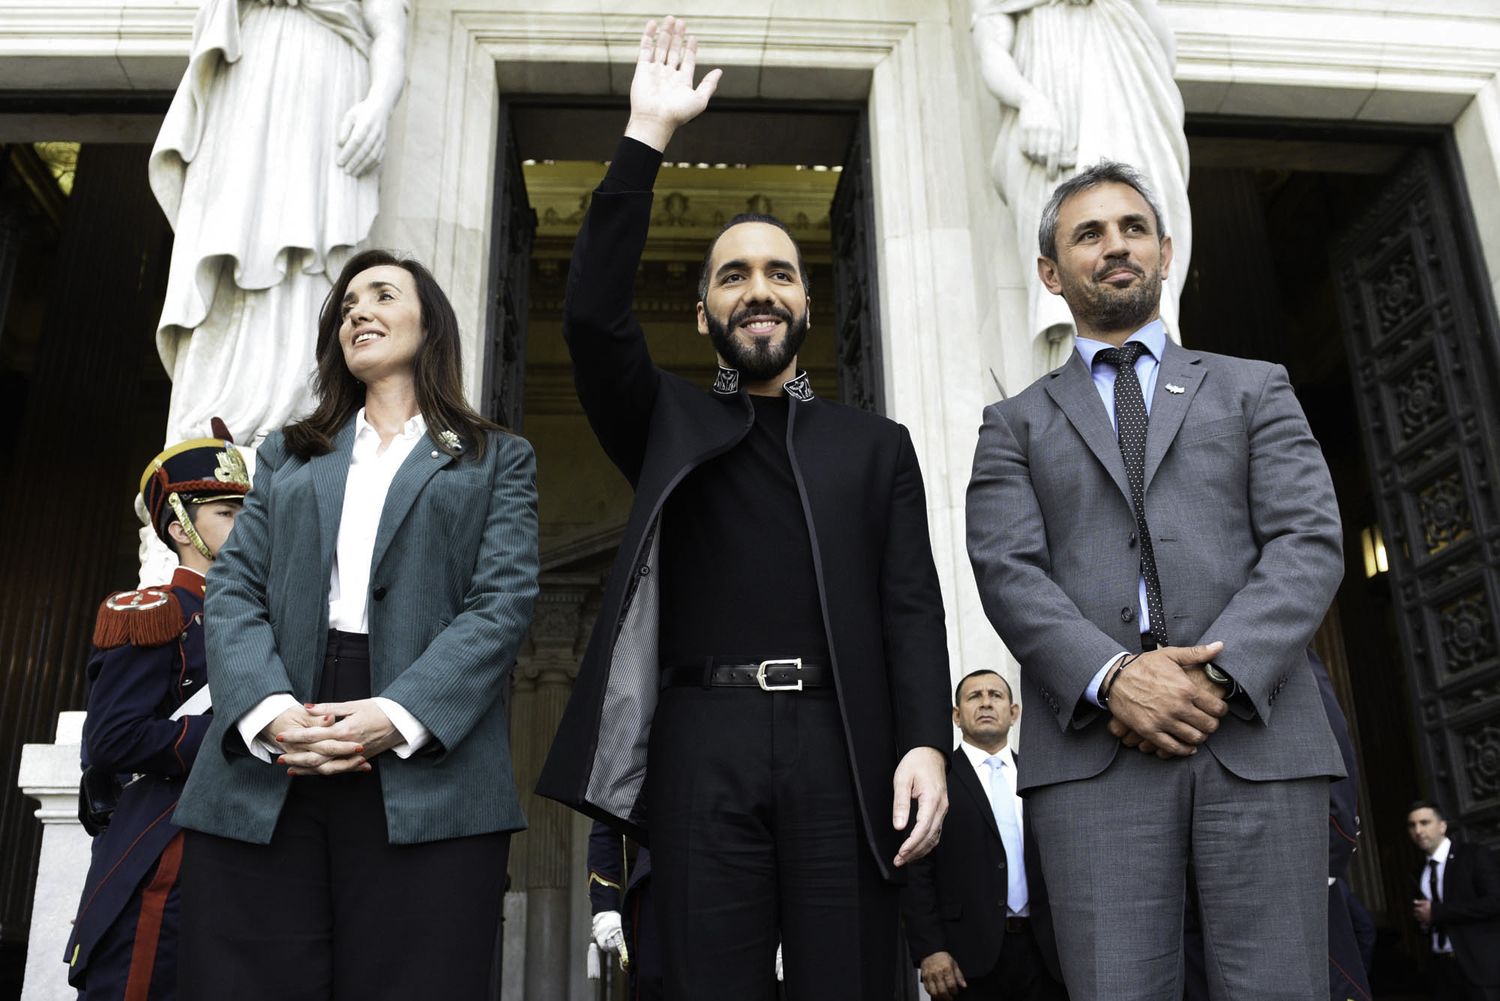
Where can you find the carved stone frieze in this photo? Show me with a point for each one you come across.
(695, 200)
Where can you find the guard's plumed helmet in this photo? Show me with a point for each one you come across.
(198, 471)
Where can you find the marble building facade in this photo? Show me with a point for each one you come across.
(951, 305)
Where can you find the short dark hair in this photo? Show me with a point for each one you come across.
(1103, 172)
(1424, 804)
(739, 220)
(958, 689)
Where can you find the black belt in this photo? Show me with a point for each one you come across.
(1014, 924)
(1148, 642)
(784, 674)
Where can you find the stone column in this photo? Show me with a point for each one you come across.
(541, 858)
(49, 774)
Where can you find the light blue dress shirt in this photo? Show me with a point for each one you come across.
(1154, 336)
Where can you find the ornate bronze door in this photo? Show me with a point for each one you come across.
(856, 293)
(1423, 351)
(512, 232)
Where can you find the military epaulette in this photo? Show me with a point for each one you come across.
(148, 617)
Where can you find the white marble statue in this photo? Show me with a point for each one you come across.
(1081, 81)
(267, 168)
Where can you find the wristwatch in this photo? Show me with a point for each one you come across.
(1217, 676)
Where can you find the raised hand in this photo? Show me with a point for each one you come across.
(662, 95)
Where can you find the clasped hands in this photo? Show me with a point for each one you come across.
(1164, 703)
(331, 738)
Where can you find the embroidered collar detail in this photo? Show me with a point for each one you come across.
(727, 382)
(800, 388)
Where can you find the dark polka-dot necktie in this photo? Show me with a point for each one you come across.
(1130, 422)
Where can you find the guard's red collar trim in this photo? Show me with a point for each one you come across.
(188, 580)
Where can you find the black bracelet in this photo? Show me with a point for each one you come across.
(1109, 683)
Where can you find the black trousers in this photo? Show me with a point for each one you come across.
(644, 942)
(1019, 975)
(330, 910)
(756, 838)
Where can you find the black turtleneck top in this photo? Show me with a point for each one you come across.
(736, 560)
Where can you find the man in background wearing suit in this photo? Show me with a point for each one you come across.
(973, 913)
(1458, 907)
(1111, 523)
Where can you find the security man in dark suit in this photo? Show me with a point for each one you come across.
(620, 899)
(764, 698)
(975, 909)
(1458, 908)
(148, 707)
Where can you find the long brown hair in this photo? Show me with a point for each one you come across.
(437, 371)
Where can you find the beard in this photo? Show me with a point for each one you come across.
(764, 357)
(1104, 307)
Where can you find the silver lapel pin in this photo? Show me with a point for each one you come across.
(1175, 389)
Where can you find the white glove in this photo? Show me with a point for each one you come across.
(779, 975)
(609, 935)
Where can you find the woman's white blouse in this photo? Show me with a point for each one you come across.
(371, 471)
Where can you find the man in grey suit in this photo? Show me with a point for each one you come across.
(1157, 550)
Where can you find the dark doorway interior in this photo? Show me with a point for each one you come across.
(1268, 210)
(83, 399)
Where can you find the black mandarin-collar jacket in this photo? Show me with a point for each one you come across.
(861, 492)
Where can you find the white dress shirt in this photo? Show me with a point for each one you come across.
(372, 467)
(979, 758)
(1440, 856)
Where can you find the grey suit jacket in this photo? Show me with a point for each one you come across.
(1247, 539)
(453, 580)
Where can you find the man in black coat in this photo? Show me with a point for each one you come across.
(1458, 907)
(975, 909)
(765, 691)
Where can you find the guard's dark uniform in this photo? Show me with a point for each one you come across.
(148, 662)
(614, 886)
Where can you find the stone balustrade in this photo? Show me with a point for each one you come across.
(49, 774)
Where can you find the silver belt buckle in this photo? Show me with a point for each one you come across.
(760, 675)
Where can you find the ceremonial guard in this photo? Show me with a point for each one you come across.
(619, 896)
(147, 705)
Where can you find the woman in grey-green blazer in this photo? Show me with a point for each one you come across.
(350, 813)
